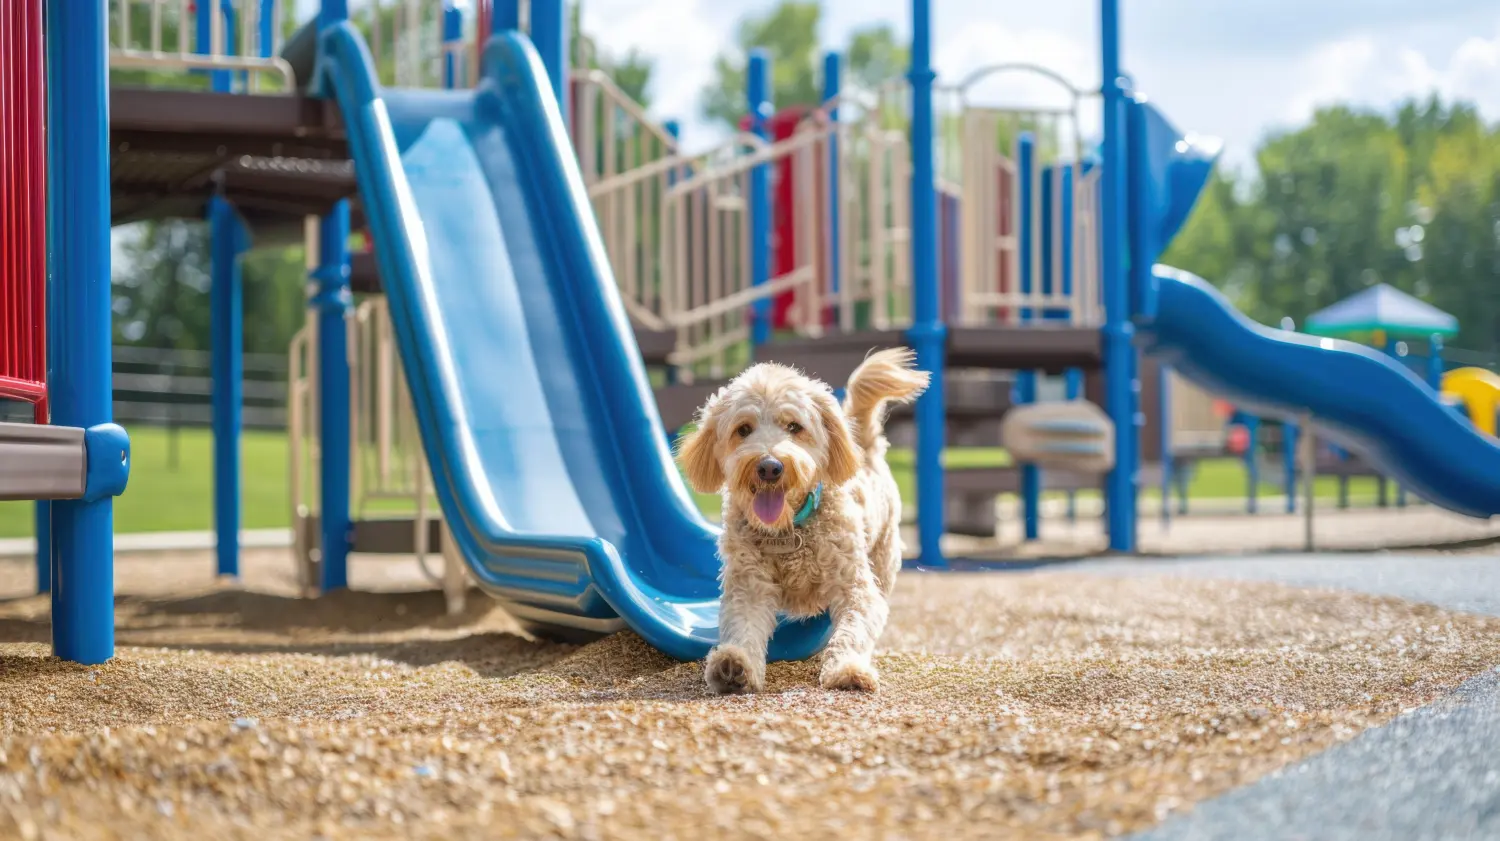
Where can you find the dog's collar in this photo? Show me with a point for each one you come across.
(788, 542)
(809, 506)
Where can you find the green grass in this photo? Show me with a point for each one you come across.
(162, 497)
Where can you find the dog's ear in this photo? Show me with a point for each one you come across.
(695, 451)
(843, 454)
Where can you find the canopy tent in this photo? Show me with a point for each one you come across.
(1381, 313)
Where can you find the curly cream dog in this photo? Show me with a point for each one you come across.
(811, 514)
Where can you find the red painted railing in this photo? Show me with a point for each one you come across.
(23, 206)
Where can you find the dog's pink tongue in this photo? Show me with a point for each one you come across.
(768, 505)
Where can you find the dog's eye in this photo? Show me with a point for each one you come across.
(744, 430)
(794, 427)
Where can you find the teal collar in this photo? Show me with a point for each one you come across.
(809, 506)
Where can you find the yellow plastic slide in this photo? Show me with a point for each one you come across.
(1479, 389)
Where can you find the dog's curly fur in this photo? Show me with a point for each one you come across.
(849, 550)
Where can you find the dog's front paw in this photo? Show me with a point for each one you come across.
(731, 670)
(852, 675)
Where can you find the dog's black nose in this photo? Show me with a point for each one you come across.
(769, 470)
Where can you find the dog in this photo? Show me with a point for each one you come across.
(812, 516)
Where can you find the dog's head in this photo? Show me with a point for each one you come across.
(769, 437)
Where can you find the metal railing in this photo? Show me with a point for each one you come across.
(1030, 207)
(23, 232)
(243, 36)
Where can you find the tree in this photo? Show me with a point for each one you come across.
(630, 72)
(789, 33)
(1410, 198)
(874, 57)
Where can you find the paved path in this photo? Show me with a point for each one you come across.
(1430, 775)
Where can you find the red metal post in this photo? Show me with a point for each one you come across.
(23, 206)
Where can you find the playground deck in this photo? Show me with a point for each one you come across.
(1051, 704)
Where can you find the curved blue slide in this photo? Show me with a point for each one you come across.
(1362, 397)
(539, 424)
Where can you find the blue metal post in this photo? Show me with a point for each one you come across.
(220, 81)
(1025, 390)
(79, 316)
(832, 66)
(1252, 463)
(453, 32)
(1391, 343)
(1168, 463)
(1121, 388)
(1290, 432)
(758, 96)
(43, 521)
(333, 301)
(1073, 377)
(928, 335)
(549, 32)
(1072, 390)
(267, 35)
(228, 239)
(673, 130)
(332, 12)
(1435, 362)
(505, 16)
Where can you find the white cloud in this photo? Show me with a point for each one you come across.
(1374, 72)
(682, 37)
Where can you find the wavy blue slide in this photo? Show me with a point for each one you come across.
(543, 437)
(1362, 397)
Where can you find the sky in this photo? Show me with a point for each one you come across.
(1234, 69)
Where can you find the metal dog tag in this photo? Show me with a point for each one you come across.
(781, 545)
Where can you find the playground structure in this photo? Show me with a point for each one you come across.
(514, 251)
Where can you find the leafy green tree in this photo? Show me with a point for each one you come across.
(789, 34)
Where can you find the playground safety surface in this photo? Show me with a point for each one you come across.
(1039, 705)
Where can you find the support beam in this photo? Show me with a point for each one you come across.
(228, 241)
(928, 333)
(1121, 390)
(334, 303)
(79, 328)
(758, 103)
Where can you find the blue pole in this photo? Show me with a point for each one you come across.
(832, 84)
(928, 335)
(1289, 435)
(227, 241)
(673, 130)
(1252, 464)
(43, 519)
(79, 329)
(758, 95)
(1073, 377)
(1025, 391)
(267, 28)
(232, 41)
(1391, 344)
(549, 32)
(505, 16)
(330, 13)
(1072, 390)
(333, 301)
(220, 81)
(453, 32)
(1118, 334)
(1164, 415)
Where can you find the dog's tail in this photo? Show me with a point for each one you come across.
(883, 377)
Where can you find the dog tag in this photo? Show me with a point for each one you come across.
(781, 545)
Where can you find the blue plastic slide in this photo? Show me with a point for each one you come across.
(1365, 399)
(547, 452)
